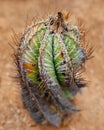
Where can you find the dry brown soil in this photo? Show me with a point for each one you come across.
(13, 15)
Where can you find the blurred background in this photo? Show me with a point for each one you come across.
(13, 16)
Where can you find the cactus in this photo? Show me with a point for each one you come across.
(49, 58)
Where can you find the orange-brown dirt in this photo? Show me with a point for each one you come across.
(13, 15)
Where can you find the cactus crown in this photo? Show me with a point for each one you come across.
(48, 58)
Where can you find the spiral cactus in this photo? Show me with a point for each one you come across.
(49, 58)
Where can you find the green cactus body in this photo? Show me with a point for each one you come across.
(48, 54)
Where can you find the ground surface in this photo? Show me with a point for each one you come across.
(13, 15)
